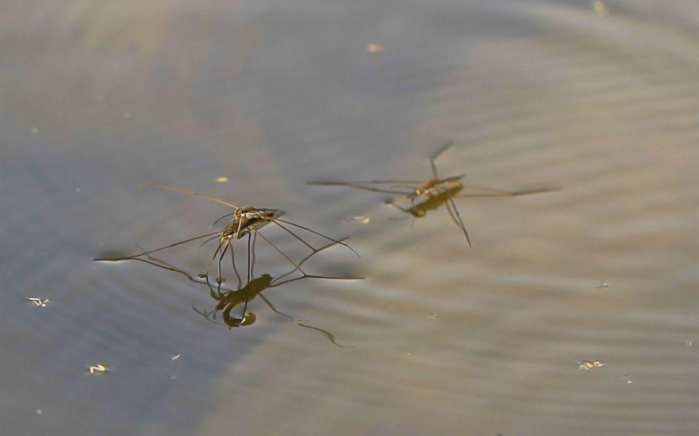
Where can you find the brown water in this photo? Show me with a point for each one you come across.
(99, 98)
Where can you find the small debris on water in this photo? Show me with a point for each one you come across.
(603, 285)
(689, 343)
(600, 8)
(97, 369)
(587, 365)
(39, 412)
(35, 130)
(222, 179)
(39, 302)
(432, 316)
(374, 48)
(362, 219)
(176, 356)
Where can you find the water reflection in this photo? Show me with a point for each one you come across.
(228, 299)
(417, 197)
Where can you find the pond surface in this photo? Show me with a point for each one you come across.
(599, 99)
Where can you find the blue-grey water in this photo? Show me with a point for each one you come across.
(601, 99)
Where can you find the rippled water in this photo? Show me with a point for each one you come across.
(98, 99)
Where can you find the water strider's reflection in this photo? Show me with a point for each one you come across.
(417, 197)
(243, 221)
(227, 300)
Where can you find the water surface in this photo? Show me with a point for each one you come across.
(98, 99)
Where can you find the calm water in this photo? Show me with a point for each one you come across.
(98, 99)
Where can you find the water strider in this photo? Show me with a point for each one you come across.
(228, 299)
(433, 193)
(241, 222)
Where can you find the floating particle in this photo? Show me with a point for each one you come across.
(432, 316)
(374, 48)
(600, 8)
(35, 130)
(222, 179)
(97, 369)
(176, 356)
(590, 364)
(689, 343)
(603, 285)
(362, 219)
(39, 302)
(39, 412)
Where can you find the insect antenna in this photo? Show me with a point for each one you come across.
(192, 194)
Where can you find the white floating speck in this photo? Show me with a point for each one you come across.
(176, 356)
(39, 412)
(362, 219)
(35, 130)
(587, 365)
(39, 302)
(603, 285)
(97, 369)
(222, 179)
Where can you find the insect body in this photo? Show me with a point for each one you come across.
(430, 194)
(433, 198)
(239, 223)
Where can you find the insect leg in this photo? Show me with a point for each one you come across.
(235, 269)
(436, 154)
(219, 279)
(144, 253)
(290, 260)
(456, 217)
(276, 221)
